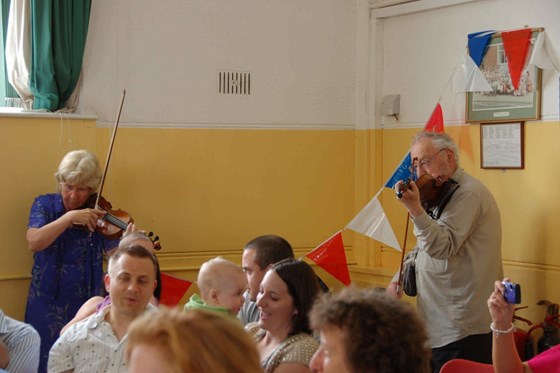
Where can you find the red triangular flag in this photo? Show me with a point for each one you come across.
(516, 45)
(331, 257)
(435, 123)
(172, 289)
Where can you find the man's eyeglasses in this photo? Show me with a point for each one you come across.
(424, 163)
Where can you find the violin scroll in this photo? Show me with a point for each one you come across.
(401, 188)
(155, 241)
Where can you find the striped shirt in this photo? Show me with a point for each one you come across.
(23, 344)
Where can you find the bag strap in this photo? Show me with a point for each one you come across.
(450, 186)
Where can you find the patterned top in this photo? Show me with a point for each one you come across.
(90, 346)
(64, 275)
(298, 349)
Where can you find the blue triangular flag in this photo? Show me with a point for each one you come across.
(402, 172)
(478, 42)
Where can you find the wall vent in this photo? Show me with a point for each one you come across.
(234, 83)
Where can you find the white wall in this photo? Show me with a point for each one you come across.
(421, 49)
(301, 54)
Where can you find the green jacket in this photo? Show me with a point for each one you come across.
(196, 302)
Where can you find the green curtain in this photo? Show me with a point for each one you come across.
(58, 38)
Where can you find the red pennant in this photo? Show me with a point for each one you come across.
(435, 123)
(516, 45)
(172, 289)
(331, 257)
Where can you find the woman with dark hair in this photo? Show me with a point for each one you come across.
(283, 333)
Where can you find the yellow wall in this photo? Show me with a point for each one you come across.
(204, 192)
(207, 192)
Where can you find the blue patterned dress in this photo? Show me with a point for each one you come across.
(64, 275)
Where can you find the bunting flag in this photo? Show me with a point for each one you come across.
(435, 123)
(467, 77)
(478, 44)
(331, 257)
(373, 222)
(172, 289)
(516, 45)
(402, 172)
(540, 56)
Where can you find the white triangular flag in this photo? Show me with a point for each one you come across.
(373, 222)
(540, 57)
(467, 77)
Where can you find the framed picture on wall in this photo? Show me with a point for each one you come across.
(501, 145)
(504, 103)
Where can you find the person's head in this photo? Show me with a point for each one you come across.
(368, 331)
(140, 239)
(222, 283)
(286, 295)
(259, 254)
(78, 177)
(434, 153)
(173, 341)
(137, 238)
(131, 279)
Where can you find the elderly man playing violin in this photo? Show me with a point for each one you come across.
(457, 254)
(68, 260)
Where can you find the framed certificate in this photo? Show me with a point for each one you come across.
(501, 145)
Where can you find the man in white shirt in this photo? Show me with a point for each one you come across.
(97, 344)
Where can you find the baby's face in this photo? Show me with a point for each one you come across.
(230, 295)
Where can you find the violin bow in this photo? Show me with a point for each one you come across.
(110, 149)
(399, 282)
(403, 252)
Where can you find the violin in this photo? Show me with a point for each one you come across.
(116, 221)
(434, 193)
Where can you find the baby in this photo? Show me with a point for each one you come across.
(222, 284)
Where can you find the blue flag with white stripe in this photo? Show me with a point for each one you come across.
(402, 172)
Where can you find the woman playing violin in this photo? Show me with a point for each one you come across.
(68, 262)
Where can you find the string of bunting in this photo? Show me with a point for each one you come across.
(372, 221)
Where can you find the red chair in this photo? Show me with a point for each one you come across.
(466, 366)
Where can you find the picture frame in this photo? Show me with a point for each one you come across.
(503, 103)
(502, 145)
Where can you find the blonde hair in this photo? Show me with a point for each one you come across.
(196, 341)
(215, 274)
(80, 167)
